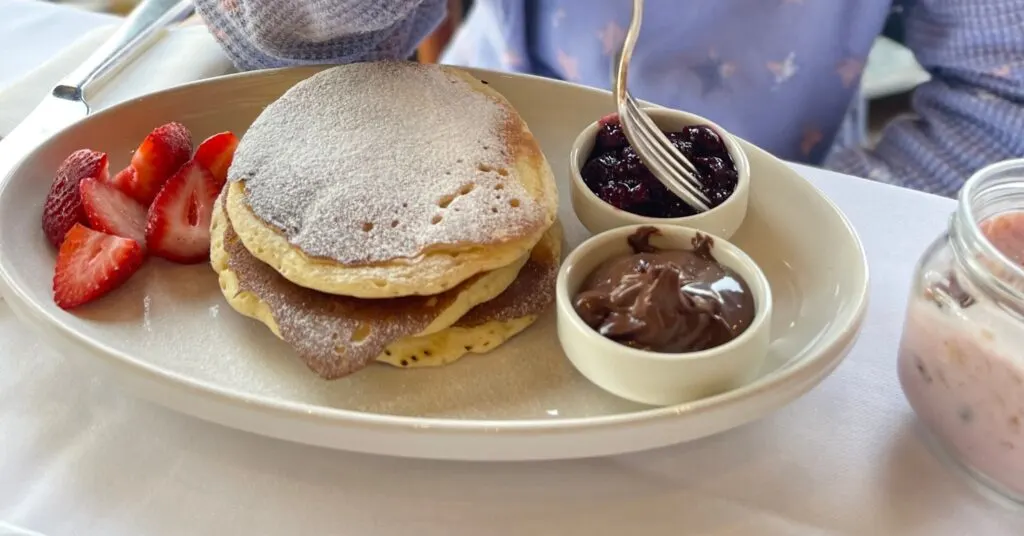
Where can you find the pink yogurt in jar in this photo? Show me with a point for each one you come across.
(961, 357)
(963, 373)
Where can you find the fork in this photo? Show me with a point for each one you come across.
(666, 162)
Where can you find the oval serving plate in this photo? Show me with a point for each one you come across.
(169, 336)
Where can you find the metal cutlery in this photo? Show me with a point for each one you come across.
(66, 103)
(666, 162)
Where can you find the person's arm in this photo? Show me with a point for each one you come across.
(970, 114)
(274, 33)
(433, 46)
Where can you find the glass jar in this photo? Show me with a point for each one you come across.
(961, 356)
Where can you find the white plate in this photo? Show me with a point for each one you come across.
(170, 337)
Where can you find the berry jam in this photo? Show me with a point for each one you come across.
(616, 174)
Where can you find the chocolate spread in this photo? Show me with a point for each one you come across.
(666, 300)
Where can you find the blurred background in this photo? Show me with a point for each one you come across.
(890, 75)
(119, 7)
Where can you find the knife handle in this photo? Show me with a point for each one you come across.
(135, 33)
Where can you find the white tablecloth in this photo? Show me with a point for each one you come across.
(32, 31)
(77, 456)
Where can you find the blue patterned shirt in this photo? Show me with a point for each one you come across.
(780, 73)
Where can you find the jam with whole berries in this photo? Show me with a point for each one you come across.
(615, 173)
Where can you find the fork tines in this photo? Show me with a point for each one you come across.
(668, 164)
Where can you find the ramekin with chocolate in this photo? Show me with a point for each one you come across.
(663, 315)
(666, 300)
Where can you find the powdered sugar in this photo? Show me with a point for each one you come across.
(334, 335)
(370, 162)
(530, 294)
(337, 335)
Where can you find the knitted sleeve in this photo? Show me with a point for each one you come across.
(275, 33)
(970, 114)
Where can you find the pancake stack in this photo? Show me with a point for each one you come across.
(388, 211)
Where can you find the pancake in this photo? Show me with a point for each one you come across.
(387, 179)
(492, 323)
(337, 335)
(452, 344)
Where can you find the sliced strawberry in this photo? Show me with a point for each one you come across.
(158, 157)
(215, 154)
(91, 264)
(124, 181)
(63, 206)
(111, 211)
(178, 227)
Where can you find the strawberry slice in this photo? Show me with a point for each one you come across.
(91, 264)
(178, 227)
(124, 180)
(63, 206)
(111, 211)
(215, 154)
(158, 157)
